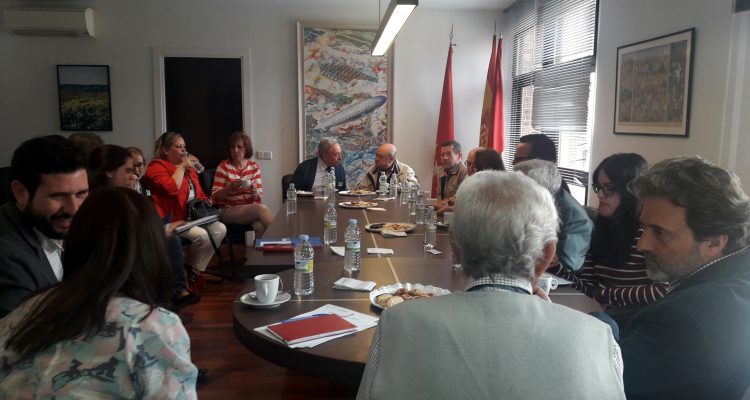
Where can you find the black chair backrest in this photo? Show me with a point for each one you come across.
(5, 192)
(285, 181)
(206, 179)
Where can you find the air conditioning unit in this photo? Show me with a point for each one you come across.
(25, 21)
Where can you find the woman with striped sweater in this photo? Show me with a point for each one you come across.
(614, 273)
(237, 188)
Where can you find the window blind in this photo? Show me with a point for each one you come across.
(551, 64)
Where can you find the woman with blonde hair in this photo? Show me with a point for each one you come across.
(173, 182)
(237, 187)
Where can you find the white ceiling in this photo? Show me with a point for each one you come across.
(423, 4)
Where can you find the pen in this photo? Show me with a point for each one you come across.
(301, 318)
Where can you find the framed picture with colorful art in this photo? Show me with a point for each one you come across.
(85, 103)
(653, 86)
(344, 92)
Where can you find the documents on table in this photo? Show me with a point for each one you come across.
(305, 329)
(338, 250)
(434, 251)
(353, 284)
(376, 208)
(379, 250)
(359, 320)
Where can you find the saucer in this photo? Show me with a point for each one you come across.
(251, 300)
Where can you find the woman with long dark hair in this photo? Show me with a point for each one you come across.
(614, 272)
(111, 165)
(102, 331)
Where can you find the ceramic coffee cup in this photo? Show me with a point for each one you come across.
(267, 287)
(547, 283)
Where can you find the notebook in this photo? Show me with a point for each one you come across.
(284, 244)
(309, 328)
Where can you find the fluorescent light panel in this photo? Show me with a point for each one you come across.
(395, 18)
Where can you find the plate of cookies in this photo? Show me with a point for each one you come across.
(357, 204)
(389, 296)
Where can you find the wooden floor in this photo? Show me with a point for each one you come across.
(233, 371)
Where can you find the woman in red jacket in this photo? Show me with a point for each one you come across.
(173, 182)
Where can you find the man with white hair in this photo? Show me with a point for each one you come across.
(574, 235)
(310, 174)
(496, 339)
(386, 162)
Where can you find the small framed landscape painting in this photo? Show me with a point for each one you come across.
(85, 103)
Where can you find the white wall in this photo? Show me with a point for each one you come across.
(126, 32)
(717, 69)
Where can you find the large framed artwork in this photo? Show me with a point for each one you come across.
(85, 103)
(344, 92)
(653, 85)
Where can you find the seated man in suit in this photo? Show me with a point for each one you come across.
(693, 343)
(574, 235)
(385, 161)
(310, 174)
(49, 183)
(496, 339)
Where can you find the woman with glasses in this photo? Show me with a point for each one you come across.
(614, 272)
(102, 332)
(237, 187)
(173, 182)
(139, 163)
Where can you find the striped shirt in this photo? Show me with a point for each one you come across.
(615, 285)
(227, 172)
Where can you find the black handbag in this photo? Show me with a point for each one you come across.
(197, 209)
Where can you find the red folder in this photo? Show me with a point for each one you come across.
(310, 328)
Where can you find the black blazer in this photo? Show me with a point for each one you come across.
(24, 267)
(304, 175)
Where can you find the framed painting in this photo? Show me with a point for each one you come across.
(653, 86)
(344, 93)
(85, 103)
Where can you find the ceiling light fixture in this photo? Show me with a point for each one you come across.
(395, 18)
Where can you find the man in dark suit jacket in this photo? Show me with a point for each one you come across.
(49, 183)
(693, 343)
(310, 174)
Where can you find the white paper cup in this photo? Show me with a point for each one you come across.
(448, 217)
(267, 287)
(250, 238)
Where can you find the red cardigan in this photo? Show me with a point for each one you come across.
(167, 197)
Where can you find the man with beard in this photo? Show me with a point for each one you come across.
(49, 183)
(693, 343)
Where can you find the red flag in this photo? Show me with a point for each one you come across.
(445, 120)
(491, 127)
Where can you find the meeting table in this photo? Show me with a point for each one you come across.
(342, 360)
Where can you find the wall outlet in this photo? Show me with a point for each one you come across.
(263, 155)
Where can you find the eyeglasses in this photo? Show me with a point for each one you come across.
(139, 165)
(607, 189)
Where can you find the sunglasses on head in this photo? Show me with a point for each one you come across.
(608, 189)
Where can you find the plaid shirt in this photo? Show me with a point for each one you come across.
(498, 282)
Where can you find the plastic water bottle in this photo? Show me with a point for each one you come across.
(405, 190)
(329, 186)
(430, 231)
(352, 253)
(393, 186)
(197, 165)
(291, 200)
(383, 185)
(421, 208)
(304, 282)
(413, 194)
(330, 227)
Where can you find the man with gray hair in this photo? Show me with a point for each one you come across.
(386, 162)
(310, 174)
(496, 339)
(693, 343)
(574, 235)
